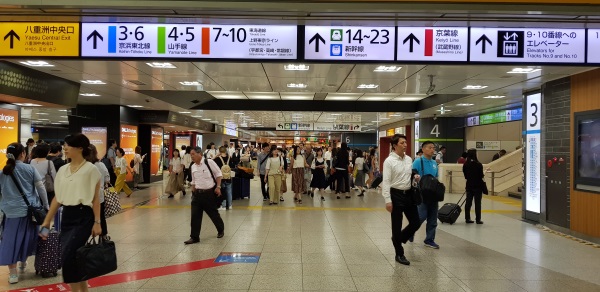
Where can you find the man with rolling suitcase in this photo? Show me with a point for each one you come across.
(428, 210)
(399, 195)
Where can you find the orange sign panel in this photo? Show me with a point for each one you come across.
(155, 153)
(129, 140)
(9, 131)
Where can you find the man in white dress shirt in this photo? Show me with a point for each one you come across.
(206, 186)
(398, 194)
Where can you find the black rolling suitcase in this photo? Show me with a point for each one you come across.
(376, 182)
(240, 188)
(48, 254)
(449, 212)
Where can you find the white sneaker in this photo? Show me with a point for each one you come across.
(13, 279)
(221, 209)
(229, 208)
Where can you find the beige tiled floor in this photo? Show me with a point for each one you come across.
(338, 245)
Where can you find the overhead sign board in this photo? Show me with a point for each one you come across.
(496, 117)
(593, 43)
(340, 127)
(188, 41)
(527, 45)
(282, 126)
(433, 43)
(533, 152)
(349, 43)
(42, 39)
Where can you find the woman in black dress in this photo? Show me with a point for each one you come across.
(318, 170)
(473, 171)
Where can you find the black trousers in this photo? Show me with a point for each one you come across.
(103, 218)
(399, 235)
(343, 185)
(473, 194)
(264, 187)
(204, 202)
(113, 176)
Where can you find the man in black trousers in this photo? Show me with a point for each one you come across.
(206, 187)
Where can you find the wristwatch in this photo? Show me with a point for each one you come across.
(97, 221)
(218, 187)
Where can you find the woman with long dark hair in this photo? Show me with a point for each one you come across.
(121, 168)
(44, 167)
(473, 171)
(343, 159)
(298, 185)
(175, 183)
(318, 179)
(359, 164)
(77, 189)
(19, 238)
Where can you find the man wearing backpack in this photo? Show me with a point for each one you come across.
(226, 165)
(428, 210)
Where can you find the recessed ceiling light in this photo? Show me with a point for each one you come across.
(396, 115)
(135, 106)
(469, 87)
(292, 67)
(297, 85)
(43, 119)
(161, 65)
(185, 112)
(336, 114)
(64, 117)
(374, 121)
(63, 121)
(27, 104)
(93, 82)
(494, 96)
(37, 63)
(240, 113)
(56, 123)
(206, 119)
(465, 104)
(368, 124)
(196, 116)
(43, 114)
(444, 110)
(89, 94)
(190, 83)
(367, 86)
(523, 70)
(62, 110)
(214, 122)
(387, 69)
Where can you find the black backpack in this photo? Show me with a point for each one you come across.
(431, 188)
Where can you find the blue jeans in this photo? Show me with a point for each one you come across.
(429, 212)
(227, 192)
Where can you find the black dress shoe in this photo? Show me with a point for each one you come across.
(221, 234)
(479, 222)
(402, 259)
(183, 193)
(191, 241)
(470, 221)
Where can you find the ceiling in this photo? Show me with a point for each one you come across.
(270, 81)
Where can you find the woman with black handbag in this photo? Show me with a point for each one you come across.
(21, 187)
(77, 188)
(473, 171)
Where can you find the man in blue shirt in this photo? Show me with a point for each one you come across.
(425, 165)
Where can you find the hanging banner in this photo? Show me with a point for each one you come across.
(156, 151)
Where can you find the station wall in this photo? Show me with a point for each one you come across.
(508, 134)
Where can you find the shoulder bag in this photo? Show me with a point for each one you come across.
(37, 215)
(96, 259)
(431, 188)
(48, 179)
(218, 198)
(112, 203)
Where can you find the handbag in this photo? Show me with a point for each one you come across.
(431, 188)
(112, 203)
(96, 259)
(283, 183)
(48, 179)
(37, 215)
(484, 188)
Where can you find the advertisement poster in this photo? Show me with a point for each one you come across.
(97, 136)
(156, 151)
(9, 131)
(182, 141)
(129, 139)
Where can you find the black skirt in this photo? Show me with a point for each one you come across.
(76, 229)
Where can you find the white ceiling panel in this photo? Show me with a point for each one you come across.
(258, 84)
(228, 94)
(299, 84)
(314, 70)
(297, 96)
(232, 69)
(383, 85)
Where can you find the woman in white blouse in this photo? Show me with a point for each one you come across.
(137, 167)
(121, 168)
(274, 171)
(175, 183)
(77, 188)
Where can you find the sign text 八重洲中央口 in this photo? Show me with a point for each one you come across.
(189, 41)
(44, 39)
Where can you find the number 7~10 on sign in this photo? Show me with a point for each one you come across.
(188, 41)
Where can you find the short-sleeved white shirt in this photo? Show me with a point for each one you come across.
(77, 188)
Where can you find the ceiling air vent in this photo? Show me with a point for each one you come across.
(136, 82)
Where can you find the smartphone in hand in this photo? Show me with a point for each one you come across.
(44, 232)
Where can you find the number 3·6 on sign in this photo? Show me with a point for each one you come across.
(189, 41)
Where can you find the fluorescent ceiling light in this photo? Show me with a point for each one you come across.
(444, 110)
(214, 122)
(62, 110)
(37, 63)
(56, 123)
(93, 82)
(264, 95)
(375, 98)
(63, 121)
(336, 114)
(89, 94)
(396, 115)
(161, 65)
(135, 106)
(494, 96)
(27, 104)
(387, 69)
(468, 87)
(465, 104)
(228, 95)
(297, 96)
(374, 121)
(367, 86)
(368, 124)
(196, 116)
(384, 118)
(185, 112)
(523, 70)
(297, 85)
(190, 83)
(240, 113)
(64, 117)
(292, 67)
(341, 98)
(408, 98)
(206, 119)
(43, 119)
(43, 114)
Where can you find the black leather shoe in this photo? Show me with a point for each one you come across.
(470, 221)
(191, 241)
(479, 222)
(221, 234)
(183, 193)
(402, 260)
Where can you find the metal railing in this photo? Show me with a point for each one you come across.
(494, 176)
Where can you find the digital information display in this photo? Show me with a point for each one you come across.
(129, 140)
(98, 138)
